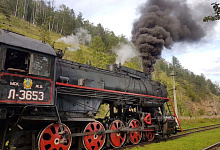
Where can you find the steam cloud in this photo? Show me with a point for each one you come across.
(163, 22)
(82, 37)
(125, 53)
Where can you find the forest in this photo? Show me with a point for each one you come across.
(62, 20)
(41, 20)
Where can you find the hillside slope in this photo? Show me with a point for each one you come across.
(196, 95)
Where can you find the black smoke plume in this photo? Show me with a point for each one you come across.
(163, 22)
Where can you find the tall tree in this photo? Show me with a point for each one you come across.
(16, 8)
(44, 34)
(4, 11)
(97, 44)
(68, 20)
(79, 20)
(216, 9)
(97, 48)
(110, 40)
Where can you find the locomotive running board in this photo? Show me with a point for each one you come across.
(71, 89)
(83, 91)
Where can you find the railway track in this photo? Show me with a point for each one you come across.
(200, 127)
(192, 130)
(213, 147)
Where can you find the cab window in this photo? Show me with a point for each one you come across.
(16, 60)
(24, 62)
(40, 65)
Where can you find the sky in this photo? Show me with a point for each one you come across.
(115, 15)
(118, 16)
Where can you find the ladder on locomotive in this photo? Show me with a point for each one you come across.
(171, 112)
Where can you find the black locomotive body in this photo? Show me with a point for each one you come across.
(47, 102)
(115, 78)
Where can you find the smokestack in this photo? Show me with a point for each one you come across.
(163, 22)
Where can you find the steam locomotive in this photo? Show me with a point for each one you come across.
(49, 103)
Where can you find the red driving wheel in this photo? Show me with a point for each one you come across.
(150, 135)
(94, 141)
(135, 137)
(50, 138)
(117, 139)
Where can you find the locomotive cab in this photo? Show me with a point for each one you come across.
(26, 70)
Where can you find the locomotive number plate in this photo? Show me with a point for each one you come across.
(26, 95)
(25, 89)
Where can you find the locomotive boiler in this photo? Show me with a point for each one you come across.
(49, 103)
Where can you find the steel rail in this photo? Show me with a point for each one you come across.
(212, 147)
(200, 127)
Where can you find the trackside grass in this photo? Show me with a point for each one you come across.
(196, 141)
(198, 122)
